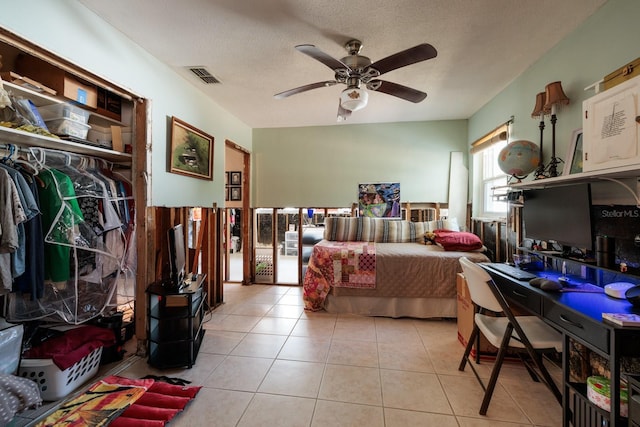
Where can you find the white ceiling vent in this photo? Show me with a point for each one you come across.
(204, 75)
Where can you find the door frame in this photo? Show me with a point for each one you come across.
(246, 223)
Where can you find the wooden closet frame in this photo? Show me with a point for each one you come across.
(144, 239)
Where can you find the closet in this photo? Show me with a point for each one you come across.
(95, 231)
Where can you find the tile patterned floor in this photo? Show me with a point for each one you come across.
(266, 362)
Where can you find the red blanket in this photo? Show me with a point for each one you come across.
(123, 402)
(69, 348)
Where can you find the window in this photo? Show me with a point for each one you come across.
(494, 182)
(489, 182)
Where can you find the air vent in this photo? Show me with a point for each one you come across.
(204, 75)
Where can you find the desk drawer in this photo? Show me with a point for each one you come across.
(521, 295)
(584, 328)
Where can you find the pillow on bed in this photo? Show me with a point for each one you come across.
(450, 224)
(457, 240)
(348, 229)
(397, 231)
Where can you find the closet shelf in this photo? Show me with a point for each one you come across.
(40, 99)
(26, 139)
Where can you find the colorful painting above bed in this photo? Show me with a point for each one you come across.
(380, 200)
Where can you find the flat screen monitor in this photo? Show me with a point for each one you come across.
(177, 261)
(560, 214)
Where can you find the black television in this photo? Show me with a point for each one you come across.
(177, 261)
(560, 214)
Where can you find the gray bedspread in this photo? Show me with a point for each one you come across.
(413, 270)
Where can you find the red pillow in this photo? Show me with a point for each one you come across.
(457, 240)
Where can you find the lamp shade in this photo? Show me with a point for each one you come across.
(354, 98)
(554, 96)
(539, 110)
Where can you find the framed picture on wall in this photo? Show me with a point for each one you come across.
(190, 151)
(573, 164)
(235, 194)
(379, 200)
(235, 178)
(226, 194)
(226, 178)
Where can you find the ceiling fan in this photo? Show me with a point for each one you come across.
(355, 70)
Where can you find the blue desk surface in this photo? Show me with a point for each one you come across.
(591, 304)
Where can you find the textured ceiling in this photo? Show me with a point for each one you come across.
(248, 45)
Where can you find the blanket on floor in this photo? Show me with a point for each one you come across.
(123, 402)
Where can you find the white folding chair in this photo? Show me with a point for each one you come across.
(524, 335)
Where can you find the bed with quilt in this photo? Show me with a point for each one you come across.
(392, 268)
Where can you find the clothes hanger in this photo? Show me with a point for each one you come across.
(12, 149)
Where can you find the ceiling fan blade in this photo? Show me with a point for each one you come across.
(343, 113)
(319, 55)
(304, 88)
(422, 52)
(395, 89)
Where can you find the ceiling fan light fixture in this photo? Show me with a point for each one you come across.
(354, 98)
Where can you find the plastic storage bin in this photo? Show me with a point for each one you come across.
(55, 384)
(61, 126)
(100, 135)
(10, 347)
(64, 111)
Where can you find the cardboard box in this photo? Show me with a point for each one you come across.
(466, 313)
(63, 83)
(622, 74)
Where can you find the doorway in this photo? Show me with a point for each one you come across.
(237, 228)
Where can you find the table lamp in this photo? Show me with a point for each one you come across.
(555, 98)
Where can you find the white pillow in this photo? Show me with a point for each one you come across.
(450, 224)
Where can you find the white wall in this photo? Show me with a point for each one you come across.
(322, 166)
(68, 29)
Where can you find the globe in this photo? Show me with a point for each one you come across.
(519, 158)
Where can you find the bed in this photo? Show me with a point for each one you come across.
(376, 267)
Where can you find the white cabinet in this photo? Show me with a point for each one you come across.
(291, 243)
(610, 128)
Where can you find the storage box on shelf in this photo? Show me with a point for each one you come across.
(101, 135)
(61, 126)
(109, 104)
(40, 99)
(64, 111)
(65, 84)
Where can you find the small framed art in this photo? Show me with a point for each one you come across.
(235, 193)
(235, 178)
(573, 164)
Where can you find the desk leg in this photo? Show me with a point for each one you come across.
(566, 377)
(614, 366)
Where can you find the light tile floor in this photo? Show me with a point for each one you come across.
(265, 361)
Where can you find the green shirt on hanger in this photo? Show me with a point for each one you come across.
(60, 214)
